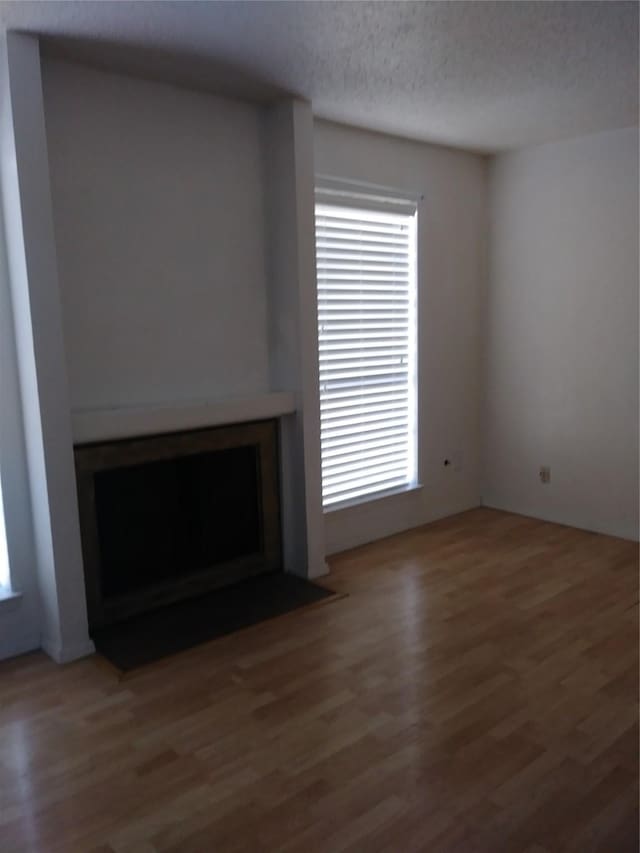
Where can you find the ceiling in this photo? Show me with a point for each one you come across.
(481, 75)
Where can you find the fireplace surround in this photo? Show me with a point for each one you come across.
(68, 395)
(168, 517)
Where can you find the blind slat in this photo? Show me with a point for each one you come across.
(375, 472)
(352, 461)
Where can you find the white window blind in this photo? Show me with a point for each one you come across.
(366, 273)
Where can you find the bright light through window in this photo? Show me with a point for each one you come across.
(366, 272)
(4, 557)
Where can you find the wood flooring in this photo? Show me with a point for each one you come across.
(475, 691)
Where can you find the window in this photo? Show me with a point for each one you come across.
(366, 273)
(5, 580)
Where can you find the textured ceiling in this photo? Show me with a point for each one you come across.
(480, 75)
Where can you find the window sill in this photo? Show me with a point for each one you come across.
(377, 496)
(9, 599)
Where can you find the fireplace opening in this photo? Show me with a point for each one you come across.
(168, 517)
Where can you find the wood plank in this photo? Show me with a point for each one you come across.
(475, 690)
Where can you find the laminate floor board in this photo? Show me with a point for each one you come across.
(476, 691)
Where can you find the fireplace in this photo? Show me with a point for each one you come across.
(168, 517)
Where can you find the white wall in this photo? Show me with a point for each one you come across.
(451, 261)
(562, 333)
(35, 306)
(158, 211)
(293, 320)
(19, 617)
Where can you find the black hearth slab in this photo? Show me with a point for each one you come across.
(150, 636)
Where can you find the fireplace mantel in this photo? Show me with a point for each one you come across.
(108, 424)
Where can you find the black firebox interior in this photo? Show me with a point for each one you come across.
(163, 520)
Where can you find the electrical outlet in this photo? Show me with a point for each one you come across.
(545, 474)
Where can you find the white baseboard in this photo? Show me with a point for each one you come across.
(321, 571)
(67, 652)
(618, 531)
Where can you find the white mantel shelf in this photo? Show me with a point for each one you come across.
(109, 424)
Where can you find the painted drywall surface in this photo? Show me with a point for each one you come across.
(304, 161)
(293, 338)
(20, 618)
(561, 367)
(451, 262)
(35, 303)
(158, 211)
